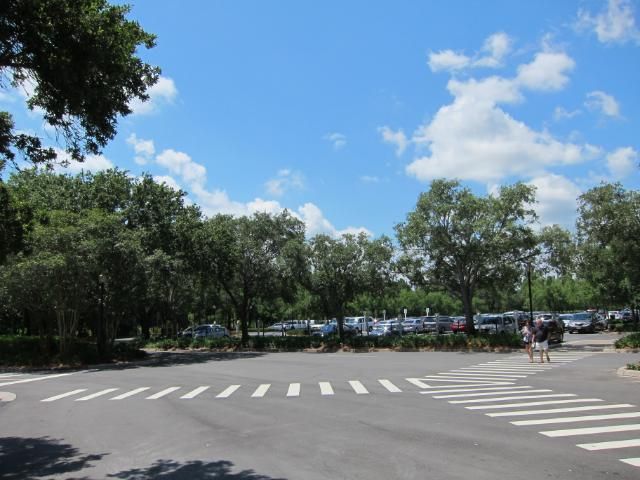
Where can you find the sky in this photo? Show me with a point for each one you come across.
(343, 112)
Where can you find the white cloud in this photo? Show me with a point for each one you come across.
(557, 200)
(623, 162)
(616, 24)
(447, 60)
(603, 102)
(474, 139)
(180, 163)
(169, 181)
(144, 149)
(338, 140)
(284, 180)
(496, 47)
(92, 163)
(162, 93)
(316, 222)
(547, 72)
(560, 113)
(398, 139)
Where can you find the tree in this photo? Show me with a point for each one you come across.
(462, 242)
(80, 57)
(609, 242)
(254, 258)
(558, 251)
(341, 269)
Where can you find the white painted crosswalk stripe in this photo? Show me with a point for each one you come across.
(130, 393)
(194, 393)
(534, 404)
(97, 394)
(294, 390)
(36, 379)
(518, 397)
(64, 395)
(634, 442)
(583, 418)
(358, 387)
(458, 373)
(261, 391)
(162, 393)
(488, 394)
(591, 430)
(494, 391)
(325, 388)
(560, 410)
(486, 381)
(417, 382)
(227, 392)
(389, 386)
(634, 462)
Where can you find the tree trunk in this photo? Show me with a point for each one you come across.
(467, 303)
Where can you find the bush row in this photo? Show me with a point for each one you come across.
(301, 342)
(17, 350)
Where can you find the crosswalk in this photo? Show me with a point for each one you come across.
(494, 388)
(483, 391)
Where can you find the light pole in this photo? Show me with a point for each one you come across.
(100, 332)
(530, 296)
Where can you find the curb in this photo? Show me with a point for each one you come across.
(625, 372)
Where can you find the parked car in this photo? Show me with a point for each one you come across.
(413, 325)
(386, 328)
(279, 327)
(458, 324)
(437, 324)
(583, 322)
(555, 326)
(331, 328)
(520, 317)
(359, 324)
(210, 331)
(565, 318)
(494, 323)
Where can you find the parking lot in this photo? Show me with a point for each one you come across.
(319, 416)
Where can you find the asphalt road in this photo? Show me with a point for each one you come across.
(330, 416)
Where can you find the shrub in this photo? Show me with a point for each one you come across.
(633, 366)
(630, 341)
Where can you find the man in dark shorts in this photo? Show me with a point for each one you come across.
(541, 336)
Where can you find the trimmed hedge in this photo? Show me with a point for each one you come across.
(24, 351)
(302, 342)
(630, 341)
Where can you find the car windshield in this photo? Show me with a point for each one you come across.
(487, 320)
(582, 316)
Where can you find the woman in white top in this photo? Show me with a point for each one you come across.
(527, 339)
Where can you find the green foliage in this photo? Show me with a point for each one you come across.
(629, 341)
(81, 59)
(633, 366)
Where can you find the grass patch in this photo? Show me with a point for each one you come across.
(629, 341)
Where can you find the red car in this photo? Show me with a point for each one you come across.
(459, 324)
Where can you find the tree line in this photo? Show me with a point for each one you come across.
(106, 254)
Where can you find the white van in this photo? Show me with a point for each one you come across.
(495, 323)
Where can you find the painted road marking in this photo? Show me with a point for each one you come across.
(130, 393)
(294, 390)
(194, 393)
(37, 379)
(358, 387)
(325, 388)
(389, 386)
(634, 442)
(261, 390)
(417, 382)
(534, 404)
(519, 397)
(560, 410)
(456, 373)
(96, 395)
(584, 418)
(227, 392)
(64, 395)
(591, 430)
(483, 394)
(457, 390)
(162, 393)
(635, 462)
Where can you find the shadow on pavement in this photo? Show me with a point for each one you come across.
(192, 470)
(31, 458)
(171, 359)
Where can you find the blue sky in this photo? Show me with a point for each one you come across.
(343, 112)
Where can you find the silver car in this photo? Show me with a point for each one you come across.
(413, 325)
(210, 331)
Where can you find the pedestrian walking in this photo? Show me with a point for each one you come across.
(527, 339)
(541, 335)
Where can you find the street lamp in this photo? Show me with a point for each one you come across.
(100, 332)
(530, 296)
